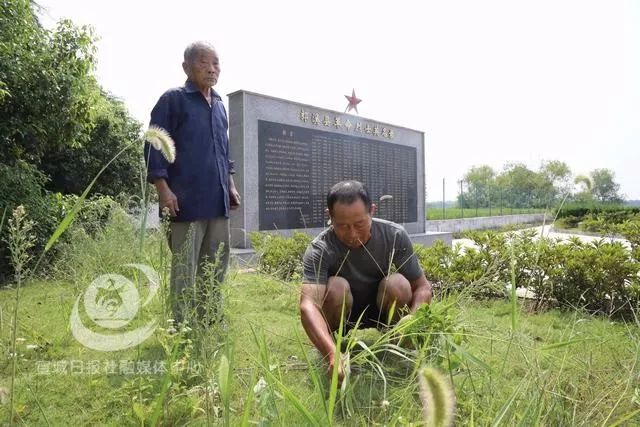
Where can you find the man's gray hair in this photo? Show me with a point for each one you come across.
(194, 50)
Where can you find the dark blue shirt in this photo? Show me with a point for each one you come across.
(199, 177)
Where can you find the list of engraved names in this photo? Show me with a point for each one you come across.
(297, 166)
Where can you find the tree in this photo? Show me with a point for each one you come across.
(479, 180)
(46, 77)
(71, 168)
(54, 114)
(584, 181)
(516, 185)
(557, 174)
(604, 188)
(58, 128)
(519, 185)
(584, 194)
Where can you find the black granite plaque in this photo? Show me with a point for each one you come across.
(297, 166)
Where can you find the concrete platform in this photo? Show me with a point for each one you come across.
(428, 238)
(247, 258)
(483, 222)
(243, 258)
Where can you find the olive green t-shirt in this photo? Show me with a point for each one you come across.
(363, 267)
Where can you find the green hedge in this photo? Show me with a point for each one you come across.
(606, 222)
(581, 210)
(280, 256)
(598, 277)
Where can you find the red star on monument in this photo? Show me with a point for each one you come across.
(353, 101)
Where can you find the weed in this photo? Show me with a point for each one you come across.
(19, 241)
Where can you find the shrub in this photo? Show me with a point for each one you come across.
(597, 277)
(94, 214)
(23, 185)
(619, 216)
(569, 221)
(539, 274)
(436, 261)
(532, 256)
(101, 242)
(599, 219)
(579, 210)
(476, 271)
(573, 214)
(594, 223)
(494, 262)
(630, 230)
(280, 256)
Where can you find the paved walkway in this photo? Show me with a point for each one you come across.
(548, 233)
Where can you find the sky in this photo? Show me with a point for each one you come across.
(489, 82)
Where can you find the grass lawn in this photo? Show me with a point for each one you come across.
(434, 213)
(555, 368)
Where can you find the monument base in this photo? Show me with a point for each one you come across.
(430, 237)
(246, 257)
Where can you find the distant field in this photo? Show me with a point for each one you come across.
(454, 213)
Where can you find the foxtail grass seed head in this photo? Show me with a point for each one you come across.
(20, 240)
(166, 213)
(260, 386)
(437, 397)
(19, 213)
(161, 141)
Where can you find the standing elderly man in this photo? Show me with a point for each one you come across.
(349, 265)
(197, 189)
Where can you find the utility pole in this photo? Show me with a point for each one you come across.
(461, 201)
(476, 201)
(444, 215)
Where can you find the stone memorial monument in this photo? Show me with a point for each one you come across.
(287, 156)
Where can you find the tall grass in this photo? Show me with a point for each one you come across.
(507, 366)
(558, 369)
(19, 241)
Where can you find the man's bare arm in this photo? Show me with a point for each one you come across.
(422, 293)
(313, 321)
(233, 194)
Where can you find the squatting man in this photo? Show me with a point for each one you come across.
(348, 265)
